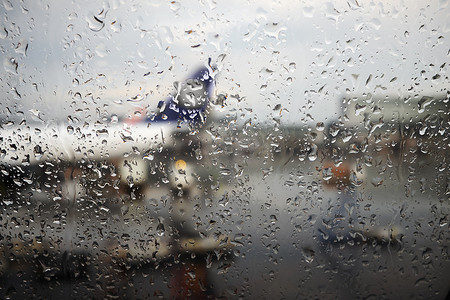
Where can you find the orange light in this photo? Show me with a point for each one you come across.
(180, 164)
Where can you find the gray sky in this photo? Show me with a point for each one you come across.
(86, 58)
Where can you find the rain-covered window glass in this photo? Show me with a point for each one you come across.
(224, 149)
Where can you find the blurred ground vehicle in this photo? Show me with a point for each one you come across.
(377, 133)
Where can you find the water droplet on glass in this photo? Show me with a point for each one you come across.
(312, 156)
(334, 130)
(95, 24)
(424, 102)
(3, 33)
(10, 65)
(354, 179)
(148, 157)
(116, 26)
(359, 108)
(320, 126)
(8, 5)
(160, 229)
(37, 152)
(308, 254)
(22, 47)
(327, 173)
(377, 181)
(102, 133)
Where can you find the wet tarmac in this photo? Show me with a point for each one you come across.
(271, 230)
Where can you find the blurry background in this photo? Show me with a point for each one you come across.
(60, 57)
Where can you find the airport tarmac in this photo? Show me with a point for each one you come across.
(263, 228)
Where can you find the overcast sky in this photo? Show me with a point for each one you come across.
(87, 58)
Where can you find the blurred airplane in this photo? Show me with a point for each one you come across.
(119, 141)
(120, 150)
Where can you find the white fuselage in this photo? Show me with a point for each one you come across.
(31, 144)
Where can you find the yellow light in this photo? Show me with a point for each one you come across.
(180, 164)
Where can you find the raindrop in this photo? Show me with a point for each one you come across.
(116, 26)
(423, 129)
(273, 218)
(95, 24)
(368, 79)
(36, 114)
(334, 130)
(346, 136)
(354, 179)
(134, 99)
(102, 133)
(10, 65)
(225, 172)
(421, 281)
(7, 5)
(377, 181)
(37, 152)
(292, 67)
(3, 33)
(126, 138)
(320, 126)
(327, 173)
(148, 157)
(22, 47)
(312, 156)
(359, 108)
(308, 254)
(160, 229)
(424, 102)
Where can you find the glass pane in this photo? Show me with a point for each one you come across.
(266, 149)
